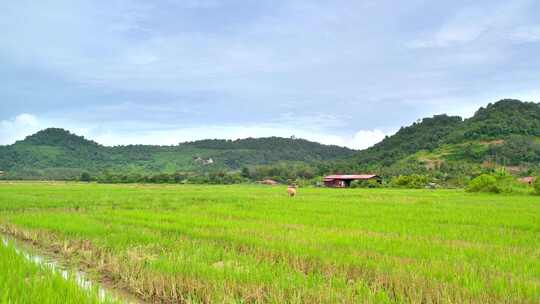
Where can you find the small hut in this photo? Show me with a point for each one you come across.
(526, 180)
(344, 181)
(269, 182)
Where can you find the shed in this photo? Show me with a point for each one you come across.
(344, 181)
(270, 182)
(526, 180)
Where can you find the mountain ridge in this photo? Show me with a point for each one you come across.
(504, 133)
(57, 153)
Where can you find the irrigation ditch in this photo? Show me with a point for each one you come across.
(56, 265)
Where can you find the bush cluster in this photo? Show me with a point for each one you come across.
(498, 182)
(484, 183)
(536, 185)
(415, 181)
(371, 183)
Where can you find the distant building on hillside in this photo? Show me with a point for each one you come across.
(203, 161)
(526, 180)
(2, 173)
(344, 181)
(270, 182)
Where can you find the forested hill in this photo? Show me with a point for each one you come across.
(58, 154)
(499, 120)
(503, 133)
(292, 147)
(57, 137)
(425, 135)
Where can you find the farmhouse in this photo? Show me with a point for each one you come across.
(2, 173)
(343, 181)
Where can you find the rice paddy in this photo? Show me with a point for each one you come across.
(254, 244)
(24, 280)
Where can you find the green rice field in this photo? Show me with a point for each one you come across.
(254, 244)
(22, 281)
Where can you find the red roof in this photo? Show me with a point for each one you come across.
(351, 176)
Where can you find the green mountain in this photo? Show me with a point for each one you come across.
(58, 154)
(505, 133)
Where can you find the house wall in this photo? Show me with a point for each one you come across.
(344, 183)
(336, 183)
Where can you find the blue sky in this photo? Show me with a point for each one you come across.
(338, 72)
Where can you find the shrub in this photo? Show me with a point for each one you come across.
(370, 183)
(497, 182)
(416, 181)
(484, 183)
(85, 177)
(536, 185)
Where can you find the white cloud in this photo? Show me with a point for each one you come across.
(526, 34)
(366, 138)
(476, 22)
(17, 128)
(26, 120)
(450, 35)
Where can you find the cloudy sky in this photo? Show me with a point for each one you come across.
(339, 72)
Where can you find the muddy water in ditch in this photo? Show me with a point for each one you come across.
(78, 276)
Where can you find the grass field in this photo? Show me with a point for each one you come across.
(254, 244)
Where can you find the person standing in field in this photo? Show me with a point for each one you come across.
(291, 190)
